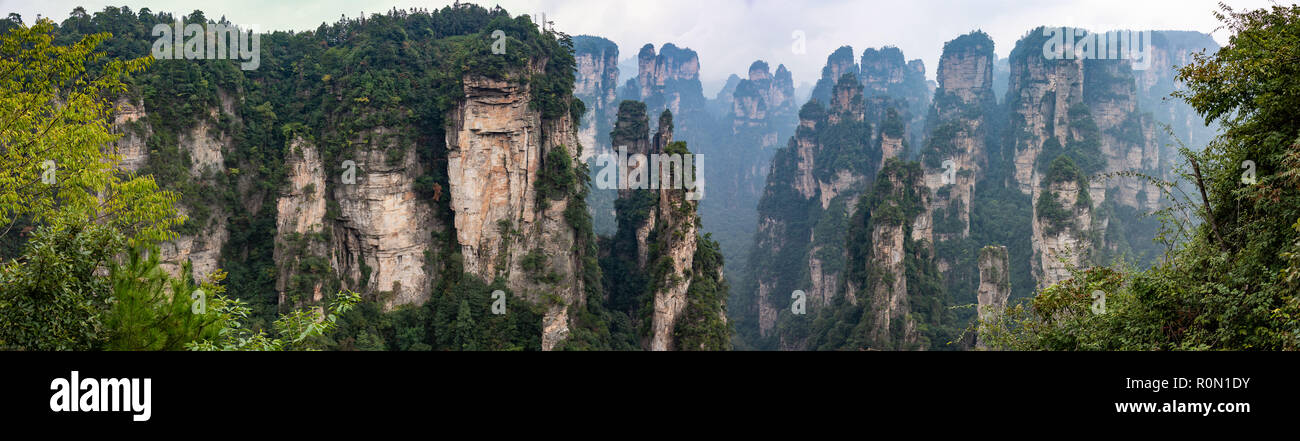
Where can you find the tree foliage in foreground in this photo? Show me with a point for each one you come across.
(54, 107)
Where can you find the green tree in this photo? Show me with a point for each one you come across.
(299, 330)
(152, 311)
(51, 299)
(54, 107)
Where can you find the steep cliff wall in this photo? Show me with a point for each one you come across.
(995, 283)
(1048, 114)
(378, 240)
(813, 187)
(859, 117)
(203, 146)
(892, 298)
(1088, 113)
(659, 270)
(596, 84)
(885, 73)
(669, 80)
(497, 145)
(956, 152)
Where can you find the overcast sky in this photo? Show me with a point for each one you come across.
(731, 34)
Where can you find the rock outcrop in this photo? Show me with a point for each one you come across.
(496, 146)
(763, 98)
(596, 84)
(892, 298)
(995, 284)
(956, 152)
(205, 145)
(378, 242)
(818, 180)
(1045, 99)
(669, 80)
(658, 241)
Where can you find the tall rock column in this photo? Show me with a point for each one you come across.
(956, 152)
(1048, 115)
(496, 146)
(995, 284)
(596, 84)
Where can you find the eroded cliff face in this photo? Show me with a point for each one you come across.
(300, 217)
(995, 284)
(838, 148)
(1041, 94)
(379, 242)
(678, 239)
(495, 147)
(205, 146)
(889, 257)
(763, 99)
(669, 80)
(838, 63)
(596, 84)
(889, 296)
(383, 238)
(1061, 244)
(1089, 112)
(658, 242)
(957, 150)
(1128, 137)
(131, 148)
(885, 73)
(1047, 112)
(831, 190)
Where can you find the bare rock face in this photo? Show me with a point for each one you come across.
(678, 232)
(1128, 137)
(669, 80)
(956, 155)
(596, 84)
(1058, 247)
(131, 148)
(1046, 99)
(383, 227)
(838, 63)
(378, 242)
(805, 144)
(206, 147)
(761, 97)
(823, 284)
(846, 101)
(1092, 110)
(496, 145)
(492, 162)
(884, 73)
(664, 227)
(203, 249)
(995, 283)
(843, 182)
(891, 147)
(1042, 92)
(888, 297)
(300, 215)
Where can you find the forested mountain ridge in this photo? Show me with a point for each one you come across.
(1059, 173)
(413, 157)
(422, 180)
